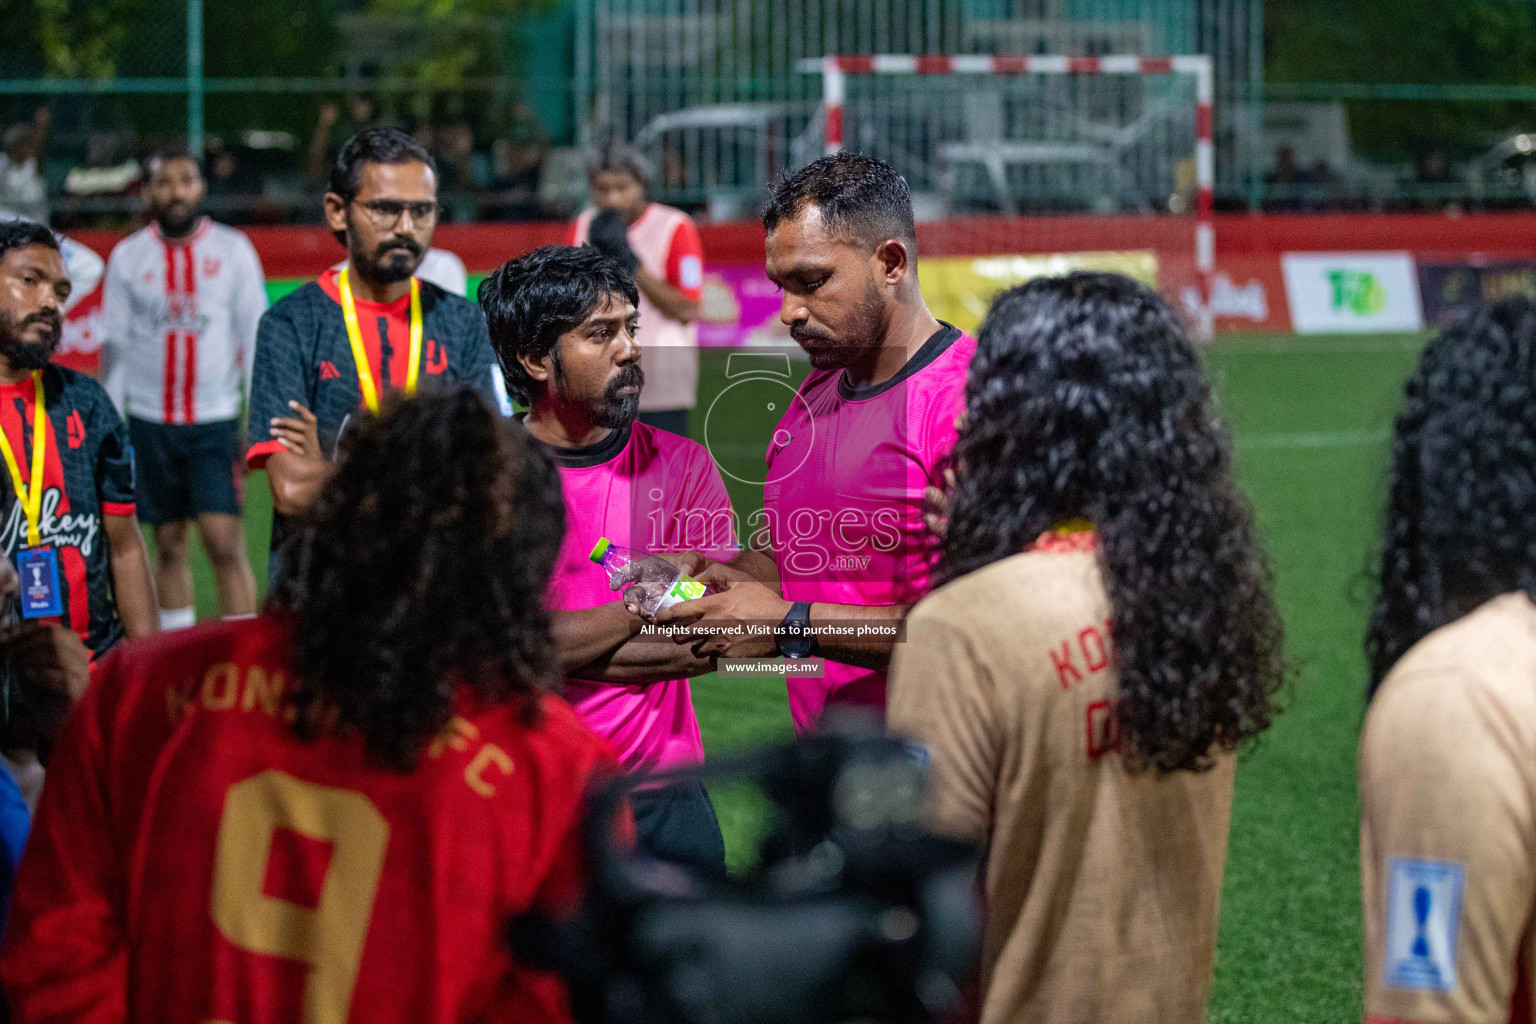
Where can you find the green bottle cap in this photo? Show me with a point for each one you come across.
(599, 550)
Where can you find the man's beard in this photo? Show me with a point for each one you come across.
(621, 410)
(29, 355)
(175, 222)
(382, 269)
(862, 332)
(616, 410)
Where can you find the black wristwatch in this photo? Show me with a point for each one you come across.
(795, 638)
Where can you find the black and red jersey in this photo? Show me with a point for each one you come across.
(303, 354)
(87, 474)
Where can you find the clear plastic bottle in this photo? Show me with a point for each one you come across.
(661, 583)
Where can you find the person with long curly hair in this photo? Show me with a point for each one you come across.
(1448, 754)
(1106, 638)
(328, 812)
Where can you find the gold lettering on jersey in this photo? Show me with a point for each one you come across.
(227, 687)
(461, 735)
(221, 685)
(263, 689)
(456, 735)
(489, 756)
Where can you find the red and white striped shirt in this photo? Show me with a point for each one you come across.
(179, 320)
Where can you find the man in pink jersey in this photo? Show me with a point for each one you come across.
(562, 321)
(660, 246)
(179, 313)
(869, 430)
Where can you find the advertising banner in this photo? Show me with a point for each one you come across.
(1248, 295)
(959, 289)
(1352, 293)
(1451, 288)
(740, 307)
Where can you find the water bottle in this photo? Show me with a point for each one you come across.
(661, 583)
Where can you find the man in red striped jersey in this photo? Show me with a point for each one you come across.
(182, 301)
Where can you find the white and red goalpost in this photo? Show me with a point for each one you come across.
(835, 70)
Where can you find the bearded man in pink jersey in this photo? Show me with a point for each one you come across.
(869, 430)
(562, 321)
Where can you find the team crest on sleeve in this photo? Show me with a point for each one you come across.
(1423, 923)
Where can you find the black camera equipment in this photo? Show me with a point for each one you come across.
(852, 912)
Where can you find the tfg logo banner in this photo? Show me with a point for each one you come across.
(1354, 293)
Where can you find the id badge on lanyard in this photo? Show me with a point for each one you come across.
(37, 565)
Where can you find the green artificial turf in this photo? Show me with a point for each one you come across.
(1310, 420)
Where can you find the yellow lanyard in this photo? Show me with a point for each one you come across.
(31, 498)
(360, 355)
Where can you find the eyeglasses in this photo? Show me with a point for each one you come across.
(387, 212)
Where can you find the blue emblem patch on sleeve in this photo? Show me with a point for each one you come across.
(1423, 923)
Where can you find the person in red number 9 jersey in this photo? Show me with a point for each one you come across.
(326, 813)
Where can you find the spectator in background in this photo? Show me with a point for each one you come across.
(23, 183)
(1325, 193)
(1285, 182)
(461, 179)
(517, 167)
(1436, 173)
(661, 247)
(183, 298)
(231, 185)
(223, 173)
(425, 134)
(103, 173)
(332, 131)
(1435, 168)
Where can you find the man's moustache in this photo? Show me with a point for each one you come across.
(408, 244)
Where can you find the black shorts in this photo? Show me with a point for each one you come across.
(185, 469)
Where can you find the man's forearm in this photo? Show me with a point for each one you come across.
(584, 635)
(132, 581)
(604, 644)
(871, 650)
(673, 304)
(647, 660)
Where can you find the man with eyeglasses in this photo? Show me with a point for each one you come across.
(343, 342)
